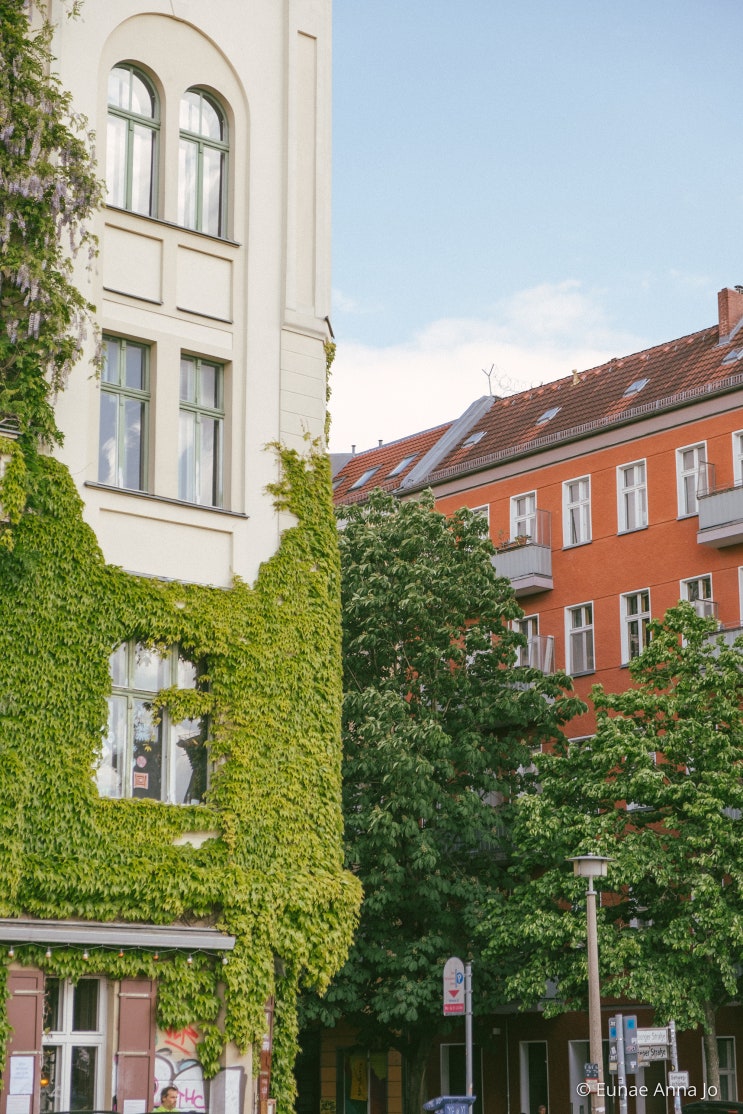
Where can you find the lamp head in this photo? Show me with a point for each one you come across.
(590, 866)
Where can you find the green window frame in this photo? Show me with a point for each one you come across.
(145, 753)
(202, 164)
(132, 141)
(201, 432)
(124, 414)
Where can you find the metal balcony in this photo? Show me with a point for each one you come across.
(527, 559)
(539, 653)
(706, 609)
(720, 511)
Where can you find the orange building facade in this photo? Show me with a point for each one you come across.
(610, 495)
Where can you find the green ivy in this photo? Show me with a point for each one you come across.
(273, 875)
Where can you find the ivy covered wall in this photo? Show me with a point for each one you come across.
(273, 876)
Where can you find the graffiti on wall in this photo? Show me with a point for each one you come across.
(177, 1065)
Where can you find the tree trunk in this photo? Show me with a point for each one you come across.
(711, 1055)
(415, 1059)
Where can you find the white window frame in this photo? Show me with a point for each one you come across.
(523, 514)
(484, 510)
(587, 630)
(528, 626)
(687, 477)
(576, 512)
(66, 1038)
(634, 641)
(632, 498)
(524, 1082)
(730, 1074)
(738, 457)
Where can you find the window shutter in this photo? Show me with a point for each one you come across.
(25, 1015)
(135, 1077)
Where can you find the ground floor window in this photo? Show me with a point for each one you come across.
(72, 1076)
(362, 1082)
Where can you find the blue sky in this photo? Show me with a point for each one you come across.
(534, 185)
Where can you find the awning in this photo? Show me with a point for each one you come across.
(16, 930)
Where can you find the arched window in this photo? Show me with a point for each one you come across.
(202, 171)
(131, 146)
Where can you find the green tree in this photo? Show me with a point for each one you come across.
(439, 724)
(48, 190)
(659, 789)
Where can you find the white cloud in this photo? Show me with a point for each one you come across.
(534, 337)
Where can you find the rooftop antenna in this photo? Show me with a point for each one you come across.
(489, 376)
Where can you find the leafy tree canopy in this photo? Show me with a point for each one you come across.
(48, 190)
(439, 726)
(658, 788)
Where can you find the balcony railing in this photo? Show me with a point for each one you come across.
(527, 559)
(539, 653)
(720, 511)
(706, 609)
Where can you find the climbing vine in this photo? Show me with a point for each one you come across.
(272, 874)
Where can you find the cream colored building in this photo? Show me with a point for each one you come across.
(213, 280)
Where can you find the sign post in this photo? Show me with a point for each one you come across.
(458, 1000)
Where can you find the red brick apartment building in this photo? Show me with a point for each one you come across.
(610, 494)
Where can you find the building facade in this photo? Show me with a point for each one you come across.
(610, 495)
(169, 621)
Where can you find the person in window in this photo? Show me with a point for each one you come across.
(168, 1099)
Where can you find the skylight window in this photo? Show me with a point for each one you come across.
(548, 415)
(402, 465)
(364, 478)
(473, 438)
(635, 387)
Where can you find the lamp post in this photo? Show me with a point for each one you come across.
(590, 867)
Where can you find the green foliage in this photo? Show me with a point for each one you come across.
(659, 790)
(48, 190)
(438, 726)
(274, 874)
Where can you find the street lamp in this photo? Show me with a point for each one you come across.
(590, 867)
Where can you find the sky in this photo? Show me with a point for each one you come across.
(523, 187)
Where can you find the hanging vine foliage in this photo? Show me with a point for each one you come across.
(273, 875)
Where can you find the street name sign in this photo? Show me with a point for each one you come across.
(652, 1036)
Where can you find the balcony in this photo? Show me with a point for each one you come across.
(706, 609)
(720, 512)
(527, 559)
(539, 653)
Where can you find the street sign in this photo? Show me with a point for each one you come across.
(678, 1080)
(652, 1036)
(653, 1052)
(629, 1029)
(453, 986)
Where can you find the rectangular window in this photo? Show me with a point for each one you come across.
(72, 1076)
(361, 1082)
(690, 474)
(523, 515)
(728, 1077)
(145, 752)
(632, 497)
(200, 453)
(738, 458)
(533, 1077)
(698, 591)
(579, 639)
(454, 1073)
(125, 399)
(635, 623)
(576, 503)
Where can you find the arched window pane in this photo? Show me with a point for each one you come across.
(203, 164)
(131, 154)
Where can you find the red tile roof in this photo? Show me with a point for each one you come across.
(385, 460)
(665, 377)
(676, 373)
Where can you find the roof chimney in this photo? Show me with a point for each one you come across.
(730, 309)
(576, 377)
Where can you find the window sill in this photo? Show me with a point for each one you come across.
(576, 545)
(584, 673)
(147, 496)
(172, 224)
(634, 530)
